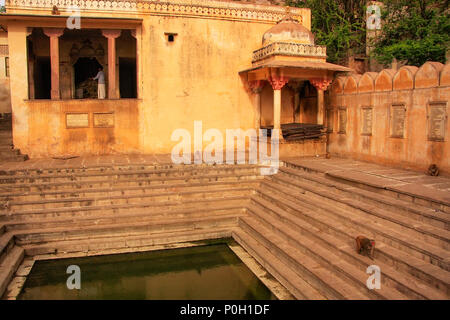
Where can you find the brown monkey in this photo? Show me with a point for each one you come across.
(433, 170)
(55, 10)
(365, 246)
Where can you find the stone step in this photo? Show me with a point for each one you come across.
(6, 150)
(147, 227)
(412, 210)
(13, 158)
(431, 234)
(7, 191)
(319, 276)
(428, 197)
(149, 206)
(333, 251)
(331, 217)
(130, 243)
(298, 287)
(9, 152)
(6, 244)
(76, 189)
(202, 192)
(65, 167)
(9, 266)
(67, 175)
(162, 213)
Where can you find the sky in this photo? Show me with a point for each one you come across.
(2, 3)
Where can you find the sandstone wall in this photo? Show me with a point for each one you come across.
(419, 96)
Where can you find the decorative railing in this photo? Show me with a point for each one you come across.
(211, 8)
(290, 49)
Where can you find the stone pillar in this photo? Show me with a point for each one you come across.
(277, 83)
(321, 84)
(256, 87)
(54, 34)
(137, 35)
(111, 35)
(320, 107)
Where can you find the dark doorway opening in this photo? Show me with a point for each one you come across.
(127, 77)
(42, 78)
(85, 69)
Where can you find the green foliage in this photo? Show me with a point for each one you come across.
(2, 9)
(414, 31)
(337, 24)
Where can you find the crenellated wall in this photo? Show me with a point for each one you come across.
(394, 117)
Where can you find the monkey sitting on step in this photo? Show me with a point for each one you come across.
(365, 246)
(433, 170)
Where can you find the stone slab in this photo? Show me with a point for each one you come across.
(365, 178)
(421, 191)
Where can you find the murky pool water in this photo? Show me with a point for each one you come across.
(204, 272)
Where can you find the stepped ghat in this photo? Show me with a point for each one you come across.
(233, 65)
(299, 224)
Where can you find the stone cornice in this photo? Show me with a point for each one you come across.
(201, 8)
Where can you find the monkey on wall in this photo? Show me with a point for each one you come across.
(55, 10)
(365, 246)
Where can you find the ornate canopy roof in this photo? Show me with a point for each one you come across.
(288, 30)
(289, 52)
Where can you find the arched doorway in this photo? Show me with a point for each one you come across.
(84, 69)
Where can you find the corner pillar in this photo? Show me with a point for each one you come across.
(54, 34)
(321, 84)
(277, 83)
(111, 35)
(136, 33)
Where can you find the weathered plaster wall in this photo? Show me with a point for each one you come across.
(414, 87)
(48, 134)
(5, 99)
(17, 43)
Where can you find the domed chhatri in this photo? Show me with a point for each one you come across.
(290, 30)
(289, 39)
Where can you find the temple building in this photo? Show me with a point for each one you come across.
(166, 65)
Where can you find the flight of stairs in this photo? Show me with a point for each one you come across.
(7, 151)
(299, 225)
(99, 208)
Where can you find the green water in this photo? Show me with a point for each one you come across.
(204, 272)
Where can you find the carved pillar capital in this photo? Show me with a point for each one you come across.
(256, 86)
(111, 33)
(53, 32)
(278, 82)
(133, 33)
(321, 83)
